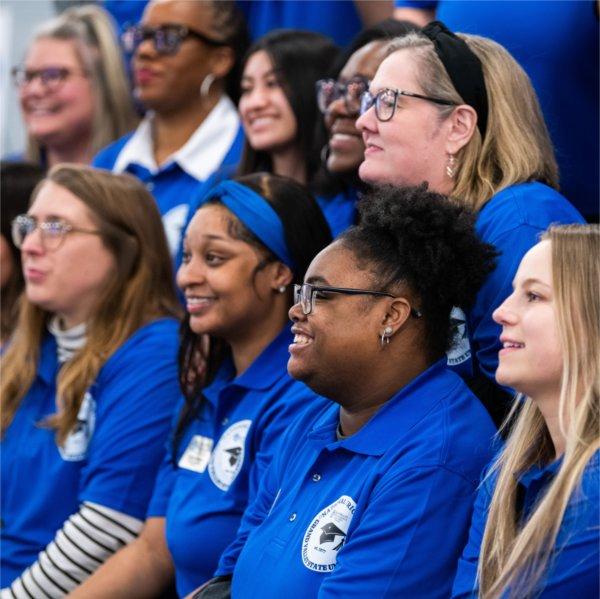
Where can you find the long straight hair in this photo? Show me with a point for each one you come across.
(514, 558)
(140, 290)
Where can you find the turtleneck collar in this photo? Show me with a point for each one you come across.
(68, 341)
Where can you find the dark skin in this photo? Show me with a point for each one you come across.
(338, 351)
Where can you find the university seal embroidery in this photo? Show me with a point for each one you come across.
(228, 457)
(460, 350)
(326, 535)
(76, 444)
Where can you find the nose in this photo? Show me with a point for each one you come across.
(254, 99)
(504, 314)
(32, 243)
(190, 273)
(296, 313)
(145, 50)
(367, 122)
(35, 87)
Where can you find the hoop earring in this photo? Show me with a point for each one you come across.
(385, 336)
(205, 87)
(325, 151)
(451, 166)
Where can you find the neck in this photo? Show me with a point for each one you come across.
(548, 404)
(78, 151)
(290, 163)
(172, 129)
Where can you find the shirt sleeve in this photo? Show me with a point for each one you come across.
(135, 397)
(388, 553)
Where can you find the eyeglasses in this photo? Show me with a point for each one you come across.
(385, 102)
(306, 293)
(53, 232)
(50, 77)
(166, 38)
(330, 90)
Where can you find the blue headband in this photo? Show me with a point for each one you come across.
(256, 214)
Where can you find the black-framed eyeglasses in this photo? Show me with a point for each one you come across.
(386, 100)
(330, 90)
(50, 77)
(166, 38)
(306, 293)
(53, 232)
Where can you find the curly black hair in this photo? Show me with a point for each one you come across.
(427, 242)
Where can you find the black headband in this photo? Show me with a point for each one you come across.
(463, 68)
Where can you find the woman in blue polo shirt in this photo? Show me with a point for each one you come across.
(244, 249)
(370, 495)
(89, 380)
(547, 478)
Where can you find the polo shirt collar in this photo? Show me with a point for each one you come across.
(396, 418)
(199, 157)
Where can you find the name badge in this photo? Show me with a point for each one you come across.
(197, 454)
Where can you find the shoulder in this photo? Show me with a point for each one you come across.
(107, 157)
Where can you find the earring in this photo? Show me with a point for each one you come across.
(385, 336)
(281, 289)
(451, 166)
(205, 87)
(325, 153)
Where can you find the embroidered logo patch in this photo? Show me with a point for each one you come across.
(197, 454)
(76, 444)
(227, 458)
(326, 535)
(460, 350)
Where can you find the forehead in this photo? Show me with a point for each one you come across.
(397, 71)
(197, 14)
(210, 219)
(537, 264)
(336, 266)
(258, 65)
(54, 200)
(46, 52)
(364, 61)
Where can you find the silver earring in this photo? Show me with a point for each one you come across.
(385, 336)
(205, 87)
(451, 166)
(281, 289)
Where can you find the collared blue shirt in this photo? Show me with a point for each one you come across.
(111, 457)
(573, 570)
(383, 513)
(340, 210)
(222, 457)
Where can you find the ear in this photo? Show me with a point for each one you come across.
(397, 314)
(281, 275)
(221, 61)
(462, 123)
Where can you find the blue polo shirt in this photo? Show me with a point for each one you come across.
(339, 210)
(111, 457)
(382, 513)
(573, 570)
(512, 221)
(222, 457)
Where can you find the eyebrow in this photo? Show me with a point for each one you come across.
(267, 74)
(529, 281)
(316, 279)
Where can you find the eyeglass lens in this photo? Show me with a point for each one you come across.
(52, 232)
(166, 39)
(330, 90)
(49, 77)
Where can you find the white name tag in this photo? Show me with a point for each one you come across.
(197, 454)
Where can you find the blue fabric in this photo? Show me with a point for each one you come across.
(204, 507)
(405, 484)
(564, 73)
(172, 187)
(256, 214)
(573, 569)
(339, 210)
(135, 394)
(337, 19)
(512, 221)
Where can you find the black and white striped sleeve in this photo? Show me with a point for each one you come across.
(86, 540)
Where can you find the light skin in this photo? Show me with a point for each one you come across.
(61, 119)
(66, 281)
(337, 346)
(346, 147)
(531, 358)
(170, 84)
(269, 122)
(415, 144)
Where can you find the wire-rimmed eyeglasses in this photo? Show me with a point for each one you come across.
(330, 90)
(386, 100)
(306, 293)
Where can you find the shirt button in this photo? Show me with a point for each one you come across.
(150, 186)
(292, 517)
(316, 477)
(225, 421)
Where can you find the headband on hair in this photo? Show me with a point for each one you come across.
(463, 67)
(256, 214)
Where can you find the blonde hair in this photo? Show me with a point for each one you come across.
(513, 559)
(516, 147)
(140, 290)
(90, 29)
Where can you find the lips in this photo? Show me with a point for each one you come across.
(302, 339)
(145, 75)
(33, 275)
(198, 304)
(509, 345)
(263, 121)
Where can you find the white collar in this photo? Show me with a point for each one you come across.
(68, 341)
(200, 156)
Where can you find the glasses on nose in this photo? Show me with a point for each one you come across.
(330, 90)
(306, 294)
(386, 100)
(50, 77)
(166, 39)
(53, 232)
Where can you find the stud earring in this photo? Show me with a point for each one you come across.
(385, 336)
(451, 166)
(281, 289)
